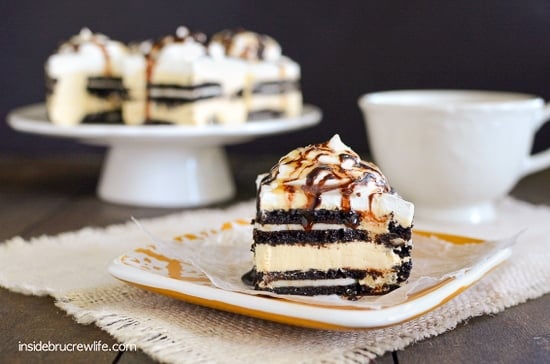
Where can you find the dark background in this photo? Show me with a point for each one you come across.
(345, 48)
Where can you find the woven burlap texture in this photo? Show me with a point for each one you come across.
(72, 267)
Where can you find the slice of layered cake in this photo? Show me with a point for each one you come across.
(329, 223)
(272, 86)
(83, 80)
(174, 81)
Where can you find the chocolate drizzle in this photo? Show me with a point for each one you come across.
(315, 165)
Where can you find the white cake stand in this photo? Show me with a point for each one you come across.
(162, 165)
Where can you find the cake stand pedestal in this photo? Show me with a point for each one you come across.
(165, 175)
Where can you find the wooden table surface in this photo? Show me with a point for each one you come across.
(56, 194)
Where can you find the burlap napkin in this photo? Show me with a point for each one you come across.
(173, 331)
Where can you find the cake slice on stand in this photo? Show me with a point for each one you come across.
(272, 85)
(84, 80)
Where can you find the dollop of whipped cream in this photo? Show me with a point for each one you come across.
(85, 37)
(244, 44)
(323, 167)
(183, 45)
(332, 176)
(89, 52)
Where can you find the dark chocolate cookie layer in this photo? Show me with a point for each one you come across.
(305, 218)
(309, 237)
(213, 90)
(106, 117)
(351, 291)
(265, 114)
(323, 237)
(275, 87)
(106, 87)
(314, 274)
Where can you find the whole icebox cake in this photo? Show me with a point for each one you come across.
(183, 78)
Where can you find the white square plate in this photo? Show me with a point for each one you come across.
(160, 271)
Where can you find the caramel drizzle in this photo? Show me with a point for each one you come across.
(315, 187)
(108, 69)
(150, 62)
(250, 52)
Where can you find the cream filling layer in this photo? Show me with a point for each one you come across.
(208, 91)
(310, 283)
(70, 102)
(351, 255)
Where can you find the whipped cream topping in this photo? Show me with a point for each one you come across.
(88, 52)
(244, 44)
(320, 168)
(331, 176)
(183, 45)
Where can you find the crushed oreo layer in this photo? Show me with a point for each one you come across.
(258, 115)
(306, 218)
(173, 94)
(276, 87)
(404, 271)
(293, 275)
(106, 87)
(403, 232)
(403, 250)
(104, 117)
(310, 237)
(157, 122)
(49, 83)
(352, 291)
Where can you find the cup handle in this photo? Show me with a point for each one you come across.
(540, 160)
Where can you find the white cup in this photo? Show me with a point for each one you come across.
(454, 153)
